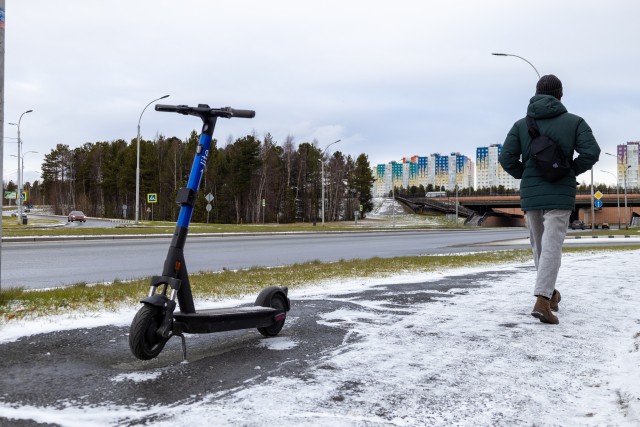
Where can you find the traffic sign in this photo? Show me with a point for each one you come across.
(208, 197)
(597, 204)
(598, 195)
(152, 198)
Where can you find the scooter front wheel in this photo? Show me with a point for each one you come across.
(144, 341)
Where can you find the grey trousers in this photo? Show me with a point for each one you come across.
(547, 229)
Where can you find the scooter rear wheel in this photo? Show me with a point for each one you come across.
(277, 302)
(144, 342)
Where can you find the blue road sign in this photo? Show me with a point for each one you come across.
(597, 203)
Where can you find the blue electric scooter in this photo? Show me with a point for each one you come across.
(157, 321)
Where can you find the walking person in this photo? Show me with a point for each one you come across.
(548, 202)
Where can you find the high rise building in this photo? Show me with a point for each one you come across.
(629, 158)
(489, 172)
(442, 172)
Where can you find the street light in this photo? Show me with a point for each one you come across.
(138, 159)
(617, 193)
(21, 161)
(593, 205)
(457, 203)
(393, 195)
(516, 56)
(322, 162)
(624, 177)
(19, 198)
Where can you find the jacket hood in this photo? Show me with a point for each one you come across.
(544, 107)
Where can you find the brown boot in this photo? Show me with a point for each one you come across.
(555, 299)
(542, 311)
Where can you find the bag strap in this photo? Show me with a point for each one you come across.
(534, 132)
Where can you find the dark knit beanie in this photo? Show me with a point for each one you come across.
(549, 85)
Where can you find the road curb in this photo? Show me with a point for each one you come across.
(601, 237)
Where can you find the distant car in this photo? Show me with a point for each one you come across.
(605, 225)
(577, 224)
(76, 216)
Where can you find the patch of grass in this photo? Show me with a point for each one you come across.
(20, 303)
(633, 231)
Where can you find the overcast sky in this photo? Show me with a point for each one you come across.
(390, 79)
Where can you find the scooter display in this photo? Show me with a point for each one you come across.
(157, 320)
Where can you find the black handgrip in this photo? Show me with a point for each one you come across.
(245, 114)
(171, 108)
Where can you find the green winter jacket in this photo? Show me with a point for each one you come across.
(570, 132)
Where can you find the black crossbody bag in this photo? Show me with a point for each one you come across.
(547, 155)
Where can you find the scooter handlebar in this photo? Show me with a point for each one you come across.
(245, 114)
(205, 111)
(172, 108)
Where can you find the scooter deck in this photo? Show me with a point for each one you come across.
(225, 319)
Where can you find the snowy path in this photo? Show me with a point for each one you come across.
(474, 358)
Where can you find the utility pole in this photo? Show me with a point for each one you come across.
(1, 114)
(626, 176)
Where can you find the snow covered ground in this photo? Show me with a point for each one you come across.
(385, 212)
(476, 358)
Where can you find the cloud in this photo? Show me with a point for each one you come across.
(409, 78)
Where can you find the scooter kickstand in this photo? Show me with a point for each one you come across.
(184, 347)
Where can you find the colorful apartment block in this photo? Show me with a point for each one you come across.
(489, 173)
(443, 172)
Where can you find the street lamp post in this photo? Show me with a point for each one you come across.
(624, 180)
(322, 162)
(456, 205)
(617, 193)
(21, 161)
(393, 196)
(19, 195)
(593, 207)
(138, 159)
(516, 56)
(626, 219)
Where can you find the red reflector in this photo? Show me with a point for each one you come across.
(280, 316)
(178, 264)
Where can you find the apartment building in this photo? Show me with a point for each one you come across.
(441, 171)
(628, 157)
(489, 172)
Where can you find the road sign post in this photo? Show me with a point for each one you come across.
(597, 203)
(209, 199)
(152, 198)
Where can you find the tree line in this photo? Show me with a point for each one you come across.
(252, 180)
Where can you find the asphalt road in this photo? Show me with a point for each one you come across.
(45, 264)
(93, 368)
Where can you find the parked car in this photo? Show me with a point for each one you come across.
(605, 225)
(76, 216)
(577, 224)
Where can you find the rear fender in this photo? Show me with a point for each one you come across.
(265, 296)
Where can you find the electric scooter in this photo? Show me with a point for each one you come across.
(157, 320)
